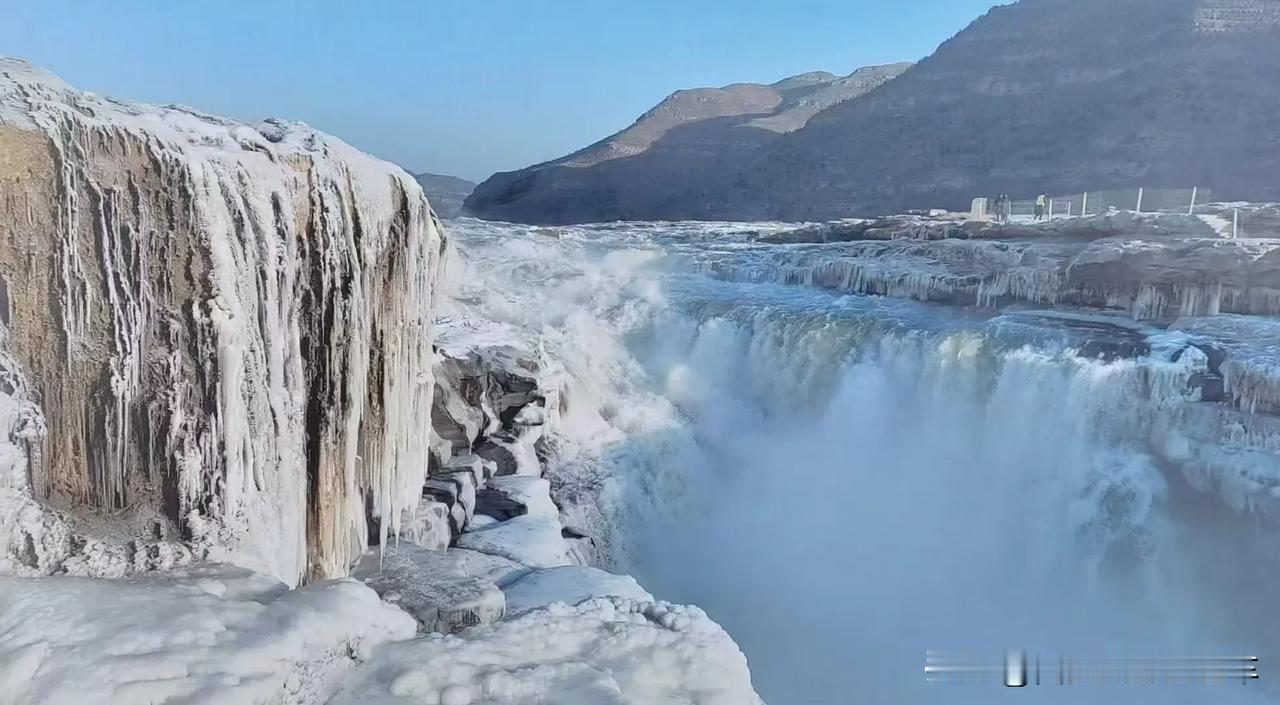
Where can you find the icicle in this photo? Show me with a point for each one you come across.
(262, 298)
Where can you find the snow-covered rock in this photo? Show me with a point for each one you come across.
(457, 491)
(214, 635)
(607, 651)
(536, 537)
(532, 493)
(570, 585)
(480, 469)
(537, 542)
(1251, 364)
(445, 590)
(429, 525)
(490, 401)
(241, 328)
(457, 415)
(484, 390)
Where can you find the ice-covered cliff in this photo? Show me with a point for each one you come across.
(218, 334)
(1152, 266)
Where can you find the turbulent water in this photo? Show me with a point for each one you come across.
(845, 482)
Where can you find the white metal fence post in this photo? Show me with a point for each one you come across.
(1235, 225)
(1084, 205)
(1194, 192)
(1140, 199)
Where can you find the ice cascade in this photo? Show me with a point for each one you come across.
(226, 327)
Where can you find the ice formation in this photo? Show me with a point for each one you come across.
(1191, 278)
(240, 345)
(1152, 266)
(217, 344)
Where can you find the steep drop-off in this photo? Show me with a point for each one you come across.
(222, 332)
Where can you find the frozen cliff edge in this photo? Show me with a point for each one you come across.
(1152, 266)
(485, 572)
(218, 336)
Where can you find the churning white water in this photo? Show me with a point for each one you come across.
(847, 482)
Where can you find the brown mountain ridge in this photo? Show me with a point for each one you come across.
(1051, 96)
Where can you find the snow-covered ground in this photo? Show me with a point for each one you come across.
(604, 651)
(221, 635)
(212, 634)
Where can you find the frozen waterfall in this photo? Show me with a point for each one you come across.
(847, 481)
(226, 329)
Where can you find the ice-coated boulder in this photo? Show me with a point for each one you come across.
(457, 491)
(429, 525)
(457, 416)
(537, 542)
(445, 590)
(496, 506)
(531, 493)
(479, 468)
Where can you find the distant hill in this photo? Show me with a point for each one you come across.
(641, 171)
(446, 193)
(1039, 96)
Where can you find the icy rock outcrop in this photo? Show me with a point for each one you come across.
(228, 325)
(1152, 266)
(445, 590)
(430, 525)
(488, 414)
(457, 491)
(489, 401)
(531, 494)
(1250, 351)
(538, 542)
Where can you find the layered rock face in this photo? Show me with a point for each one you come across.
(226, 327)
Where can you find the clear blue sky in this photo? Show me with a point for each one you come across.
(466, 87)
